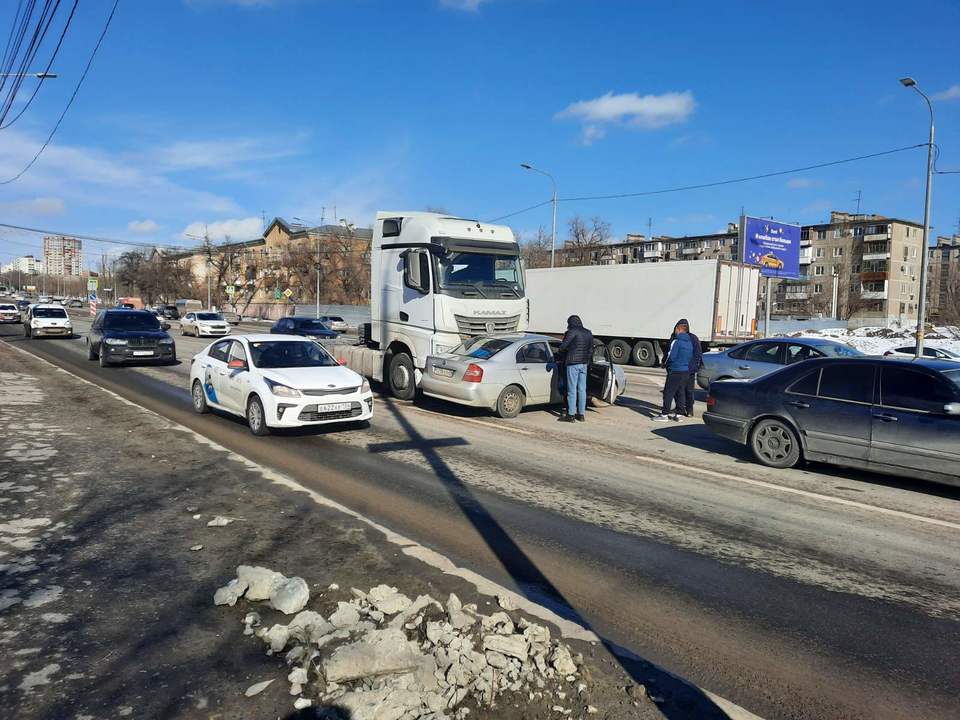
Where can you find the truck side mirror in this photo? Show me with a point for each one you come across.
(416, 271)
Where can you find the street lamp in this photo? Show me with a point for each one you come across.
(38, 76)
(553, 234)
(316, 266)
(909, 82)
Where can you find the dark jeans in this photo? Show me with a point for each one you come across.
(675, 389)
(689, 390)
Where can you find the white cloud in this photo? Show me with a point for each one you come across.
(218, 154)
(465, 5)
(43, 206)
(802, 183)
(142, 226)
(951, 93)
(234, 230)
(647, 112)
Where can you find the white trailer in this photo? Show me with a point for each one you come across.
(633, 307)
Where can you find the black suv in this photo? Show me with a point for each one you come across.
(119, 336)
(169, 312)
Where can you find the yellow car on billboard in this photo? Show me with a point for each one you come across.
(771, 261)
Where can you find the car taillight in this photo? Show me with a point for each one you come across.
(711, 401)
(473, 373)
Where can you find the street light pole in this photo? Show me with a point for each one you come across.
(553, 233)
(922, 305)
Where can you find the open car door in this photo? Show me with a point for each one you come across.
(600, 383)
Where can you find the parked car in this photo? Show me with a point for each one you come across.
(506, 373)
(119, 336)
(204, 323)
(759, 357)
(47, 320)
(277, 382)
(170, 312)
(335, 322)
(308, 327)
(892, 415)
(231, 317)
(75, 303)
(928, 352)
(9, 313)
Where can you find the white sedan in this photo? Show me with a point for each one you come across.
(204, 323)
(277, 381)
(934, 353)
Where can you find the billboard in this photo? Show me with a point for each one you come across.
(774, 246)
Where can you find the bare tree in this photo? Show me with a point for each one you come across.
(536, 250)
(584, 241)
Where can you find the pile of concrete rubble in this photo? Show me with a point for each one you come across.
(383, 656)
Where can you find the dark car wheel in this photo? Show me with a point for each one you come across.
(103, 359)
(199, 398)
(91, 355)
(510, 402)
(775, 444)
(256, 417)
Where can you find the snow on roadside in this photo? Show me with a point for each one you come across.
(877, 340)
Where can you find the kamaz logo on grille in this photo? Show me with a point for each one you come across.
(490, 326)
(489, 313)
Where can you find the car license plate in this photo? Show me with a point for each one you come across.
(443, 372)
(142, 353)
(333, 407)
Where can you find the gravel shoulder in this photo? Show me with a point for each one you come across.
(108, 569)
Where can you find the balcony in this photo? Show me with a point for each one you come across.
(876, 237)
(806, 243)
(691, 251)
(874, 295)
(868, 255)
(874, 276)
(652, 254)
(805, 259)
(795, 296)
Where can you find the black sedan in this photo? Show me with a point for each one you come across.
(895, 416)
(305, 326)
(119, 336)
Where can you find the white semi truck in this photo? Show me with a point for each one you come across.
(434, 280)
(633, 307)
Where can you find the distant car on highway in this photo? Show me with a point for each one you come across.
(204, 323)
(9, 313)
(892, 415)
(75, 303)
(277, 382)
(47, 320)
(170, 312)
(119, 336)
(335, 322)
(305, 326)
(928, 352)
(508, 372)
(231, 317)
(759, 357)
(23, 304)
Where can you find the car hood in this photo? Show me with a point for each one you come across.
(127, 334)
(336, 376)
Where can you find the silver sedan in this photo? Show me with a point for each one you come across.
(759, 357)
(509, 372)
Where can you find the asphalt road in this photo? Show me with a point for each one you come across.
(810, 593)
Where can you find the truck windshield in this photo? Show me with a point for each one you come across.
(481, 274)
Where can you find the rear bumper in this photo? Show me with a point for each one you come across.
(462, 393)
(731, 428)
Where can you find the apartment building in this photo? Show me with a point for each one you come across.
(663, 248)
(62, 255)
(943, 280)
(26, 264)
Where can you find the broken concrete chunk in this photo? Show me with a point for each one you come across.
(511, 645)
(260, 581)
(230, 593)
(346, 615)
(310, 625)
(388, 600)
(419, 604)
(499, 623)
(562, 662)
(194, 548)
(458, 618)
(257, 688)
(507, 601)
(380, 652)
(290, 595)
(220, 521)
(302, 703)
(298, 676)
(277, 637)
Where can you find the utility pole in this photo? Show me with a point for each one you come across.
(859, 197)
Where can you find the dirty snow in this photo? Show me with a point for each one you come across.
(40, 677)
(877, 340)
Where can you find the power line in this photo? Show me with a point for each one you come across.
(91, 238)
(69, 102)
(519, 212)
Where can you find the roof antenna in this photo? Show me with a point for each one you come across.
(859, 197)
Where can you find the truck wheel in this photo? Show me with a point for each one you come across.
(510, 402)
(643, 354)
(774, 444)
(619, 351)
(402, 380)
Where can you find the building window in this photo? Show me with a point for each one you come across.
(838, 252)
(908, 232)
(913, 252)
(804, 234)
(818, 288)
(818, 270)
(821, 234)
(819, 252)
(903, 308)
(858, 231)
(837, 232)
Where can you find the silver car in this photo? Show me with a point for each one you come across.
(509, 372)
(759, 357)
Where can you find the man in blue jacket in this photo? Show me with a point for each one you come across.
(695, 363)
(678, 361)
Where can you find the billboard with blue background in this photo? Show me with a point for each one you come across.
(774, 246)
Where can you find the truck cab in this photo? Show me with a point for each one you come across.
(435, 280)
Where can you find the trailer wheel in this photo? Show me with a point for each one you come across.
(643, 354)
(619, 351)
(402, 380)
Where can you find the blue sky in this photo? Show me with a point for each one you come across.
(216, 111)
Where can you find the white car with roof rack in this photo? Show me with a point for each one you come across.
(278, 381)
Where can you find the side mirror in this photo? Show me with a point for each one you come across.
(237, 365)
(165, 325)
(952, 408)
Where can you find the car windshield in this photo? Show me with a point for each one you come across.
(131, 321)
(311, 324)
(839, 351)
(209, 316)
(8, 307)
(458, 269)
(290, 354)
(49, 313)
(481, 347)
(953, 376)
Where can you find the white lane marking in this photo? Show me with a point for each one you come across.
(481, 423)
(567, 628)
(804, 493)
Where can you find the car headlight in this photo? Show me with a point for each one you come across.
(281, 389)
(115, 341)
(166, 341)
(365, 386)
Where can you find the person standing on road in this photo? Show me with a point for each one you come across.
(577, 348)
(678, 362)
(695, 364)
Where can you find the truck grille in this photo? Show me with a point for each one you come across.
(479, 325)
(310, 414)
(333, 391)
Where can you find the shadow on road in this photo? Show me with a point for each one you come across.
(681, 700)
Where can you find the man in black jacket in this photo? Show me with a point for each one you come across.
(577, 348)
